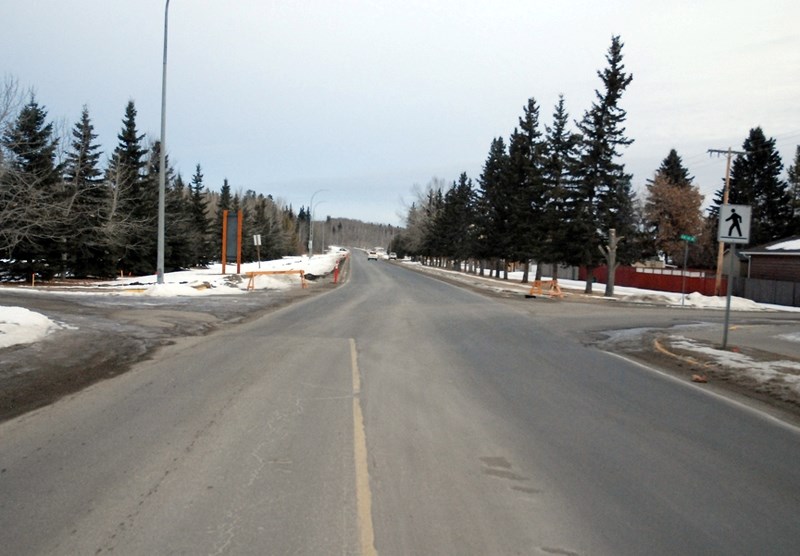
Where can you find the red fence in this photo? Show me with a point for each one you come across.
(660, 279)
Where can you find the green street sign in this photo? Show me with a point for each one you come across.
(687, 237)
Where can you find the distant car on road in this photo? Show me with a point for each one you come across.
(372, 255)
(392, 256)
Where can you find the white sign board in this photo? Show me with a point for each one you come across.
(734, 224)
(257, 240)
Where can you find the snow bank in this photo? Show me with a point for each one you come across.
(211, 280)
(782, 371)
(22, 326)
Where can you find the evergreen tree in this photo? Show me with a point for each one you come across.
(180, 250)
(87, 246)
(673, 171)
(526, 153)
(248, 250)
(258, 223)
(142, 252)
(32, 201)
(432, 244)
(200, 221)
(755, 181)
(128, 161)
(794, 191)
(559, 167)
(135, 239)
(454, 224)
(495, 205)
(224, 203)
(603, 196)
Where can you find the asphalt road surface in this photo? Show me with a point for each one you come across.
(400, 415)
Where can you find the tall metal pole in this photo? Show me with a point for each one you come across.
(162, 171)
(728, 298)
(311, 222)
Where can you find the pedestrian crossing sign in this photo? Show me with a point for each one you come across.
(734, 224)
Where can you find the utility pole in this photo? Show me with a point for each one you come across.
(725, 194)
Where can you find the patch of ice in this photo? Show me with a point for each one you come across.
(794, 337)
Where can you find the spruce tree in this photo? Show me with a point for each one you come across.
(603, 195)
(223, 203)
(87, 246)
(142, 254)
(755, 181)
(454, 224)
(180, 250)
(558, 168)
(673, 171)
(135, 217)
(200, 220)
(495, 205)
(794, 191)
(32, 200)
(525, 166)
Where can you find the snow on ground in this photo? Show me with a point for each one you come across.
(21, 326)
(790, 337)
(633, 295)
(786, 372)
(211, 280)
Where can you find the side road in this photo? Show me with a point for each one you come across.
(759, 367)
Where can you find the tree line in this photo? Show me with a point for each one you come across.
(554, 193)
(64, 210)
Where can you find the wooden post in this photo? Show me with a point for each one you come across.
(721, 248)
(239, 242)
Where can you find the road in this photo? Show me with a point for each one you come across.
(400, 415)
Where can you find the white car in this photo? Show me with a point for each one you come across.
(372, 255)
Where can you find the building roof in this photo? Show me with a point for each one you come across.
(788, 246)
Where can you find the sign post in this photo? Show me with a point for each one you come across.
(257, 243)
(687, 239)
(734, 228)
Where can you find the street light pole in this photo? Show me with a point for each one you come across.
(311, 222)
(162, 171)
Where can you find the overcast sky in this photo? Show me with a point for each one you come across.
(365, 99)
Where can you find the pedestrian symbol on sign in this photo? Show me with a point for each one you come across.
(735, 219)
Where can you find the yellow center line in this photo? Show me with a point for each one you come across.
(366, 533)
